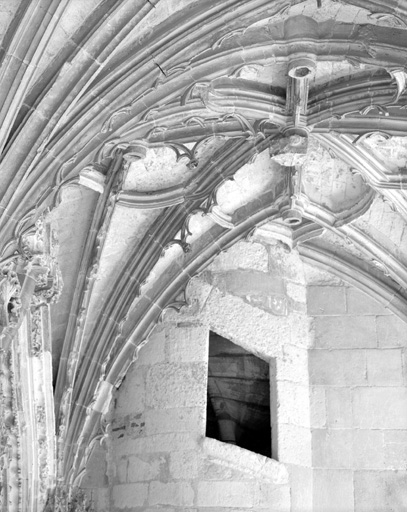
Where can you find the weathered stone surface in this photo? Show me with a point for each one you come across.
(384, 408)
(294, 403)
(96, 475)
(359, 303)
(326, 300)
(395, 449)
(345, 332)
(292, 364)
(294, 445)
(182, 419)
(144, 467)
(268, 496)
(113, 89)
(129, 495)
(175, 385)
(184, 465)
(171, 493)
(153, 351)
(244, 255)
(384, 367)
(332, 448)
(333, 490)
(301, 485)
(368, 449)
(187, 344)
(338, 367)
(132, 393)
(155, 444)
(225, 494)
(339, 407)
(252, 328)
(252, 465)
(376, 491)
(318, 407)
(391, 332)
(261, 290)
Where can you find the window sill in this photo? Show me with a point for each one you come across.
(255, 465)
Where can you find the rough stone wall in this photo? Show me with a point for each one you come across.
(160, 458)
(338, 395)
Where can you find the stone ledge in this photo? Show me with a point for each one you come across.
(255, 465)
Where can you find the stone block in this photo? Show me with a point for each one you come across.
(326, 300)
(101, 498)
(244, 283)
(215, 470)
(337, 367)
(297, 292)
(301, 488)
(128, 496)
(144, 467)
(225, 494)
(333, 490)
(183, 465)
(156, 444)
(293, 403)
(131, 397)
(176, 385)
(379, 491)
(261, 290)
(274, 497)
(395, 449)
(384, 367)
(247, 255)
(341, 332)
(301, 327)
(380, 407)
(368, 449)
(121, 467)
(187, 344)
(391, 332)
(294, 445)
(185, 419)
(248, 464)
(317, 407)
(131, 425)
(95, 476)
(359, 303)
(153, 351)
(332, 448)
(250, 327)
(292, 365)
(339, 407)
(171, 493)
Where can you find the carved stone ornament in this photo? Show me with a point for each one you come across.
(40, 248)
(10, 298)
(289, 151)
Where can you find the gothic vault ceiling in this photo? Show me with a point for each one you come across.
(140, 138)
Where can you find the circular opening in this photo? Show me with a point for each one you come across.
(302, 72)
(292, 218)
(292, 221)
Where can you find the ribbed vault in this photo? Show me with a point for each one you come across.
(269, 117)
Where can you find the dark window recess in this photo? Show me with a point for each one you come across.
(238, 404)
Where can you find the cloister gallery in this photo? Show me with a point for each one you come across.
(203, 255)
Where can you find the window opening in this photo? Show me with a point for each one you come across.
(238, 398)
